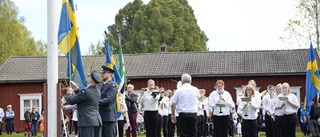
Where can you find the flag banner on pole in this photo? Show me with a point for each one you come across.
(116, 76)
(312, 80)
(69, 43)
(122, 71)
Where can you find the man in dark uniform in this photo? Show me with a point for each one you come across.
(89, 119)
(107, 103)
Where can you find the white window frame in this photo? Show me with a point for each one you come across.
(296, 90)
(32, 96)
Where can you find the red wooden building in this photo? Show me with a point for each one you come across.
(23, 79)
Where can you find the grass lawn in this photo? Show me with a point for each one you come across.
(262, 134)
(4, 134)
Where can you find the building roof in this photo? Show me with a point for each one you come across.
(171, 64)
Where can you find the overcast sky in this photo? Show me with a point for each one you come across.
(229, 24)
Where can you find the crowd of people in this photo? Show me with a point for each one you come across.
(185, 111)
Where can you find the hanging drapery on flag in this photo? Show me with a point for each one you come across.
(122, 71)
(116, 76)
(69, 43)
(312, 80)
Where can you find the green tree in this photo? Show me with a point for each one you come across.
(15, 38)
(42, 48)
(143, 28)
(123, 24)
(304, 25)
(96, 49)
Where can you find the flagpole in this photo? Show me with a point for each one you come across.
(52, 67)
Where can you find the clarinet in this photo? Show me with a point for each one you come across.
(284, 109)
(220, 101)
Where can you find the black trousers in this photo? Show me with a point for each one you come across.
(221, 124)
(120, 128)
(231, 127)
(269, 127)
(173, 127)
(205, 119)
(90, 131)
(188, 124)
(200, 125)
(0, 127)
(159, 125)
(287, 125)
(277, 132)
(74, 124)
(247, 130)
(109, 129)
(151, 123)
(170, 126)
(165, 126)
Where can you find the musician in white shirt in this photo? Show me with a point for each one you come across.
(267, 110)
(150, 104)
(276, 112)
(185, 99)
(220, 100)
(201, 110)
(288, 108)
(164, 104)
(249, 112)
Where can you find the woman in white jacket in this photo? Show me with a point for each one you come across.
(249, 112)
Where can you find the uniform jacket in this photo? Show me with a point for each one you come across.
(107, 103)
(131, 101)
(87, 103)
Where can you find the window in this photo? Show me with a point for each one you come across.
(296, 90)
(30, 100)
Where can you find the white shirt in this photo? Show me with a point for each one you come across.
(257, 94)
(150, 103)
(169, 106)
(164, 105)
(201, 107)
(214, 98)
(266, 104)
(287, 108)
(186, 98)
(277, 112)
(1, 114)
(75, 115)
(250, 112)
(123, 108)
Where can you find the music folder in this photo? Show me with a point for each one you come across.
(283, 98)
(245, 99)
(220, 105)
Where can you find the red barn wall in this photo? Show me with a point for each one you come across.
(9, 95)
(9, 92)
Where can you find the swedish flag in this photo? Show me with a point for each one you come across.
(116, 76)
(69, 43)
(312, 80)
